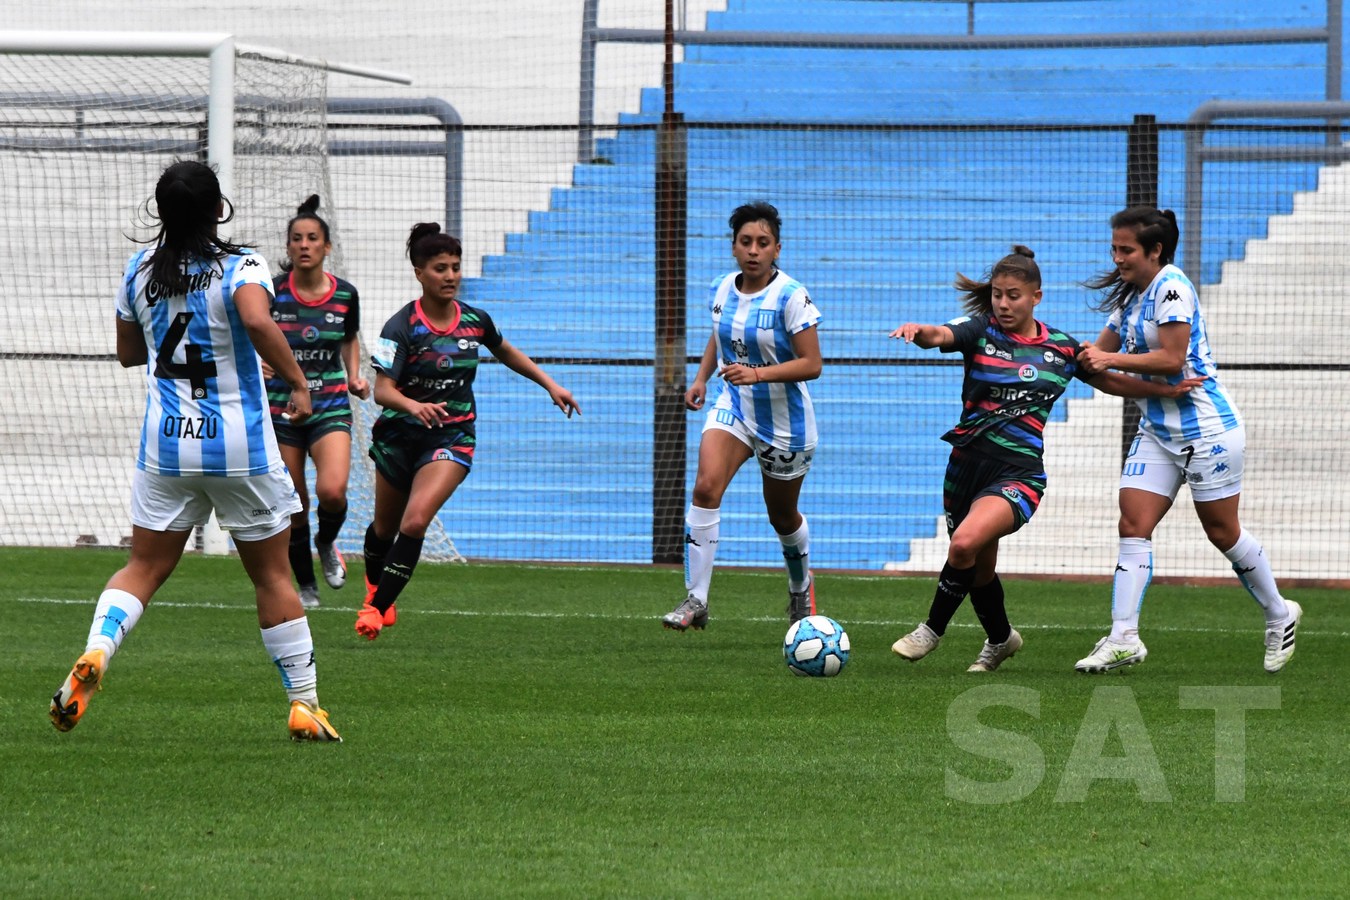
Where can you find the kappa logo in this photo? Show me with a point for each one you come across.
(717, 309)
(1220, 468)
(1171, 296)
(1218, 450)
(250, 261)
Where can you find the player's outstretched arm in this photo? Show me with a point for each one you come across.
(925, 337)
(387, 394)
(517, 361)
(1139, 388)
(1169, 359)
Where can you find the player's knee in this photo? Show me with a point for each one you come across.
(707, 495)
(414, 526)
(332, 496)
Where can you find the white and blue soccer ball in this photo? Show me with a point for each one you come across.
(817, 646)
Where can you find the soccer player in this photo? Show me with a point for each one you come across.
(764, 344)
(1015, 370)
(320, 316)
(423, 443)
(1156, 329)
(195, 309)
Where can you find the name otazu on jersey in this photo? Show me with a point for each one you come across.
(191, 427)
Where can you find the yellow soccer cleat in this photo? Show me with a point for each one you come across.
(309, 723)
(72, 699)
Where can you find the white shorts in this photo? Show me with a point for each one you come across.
(250, 507)
(785, 465)
(1211, 466)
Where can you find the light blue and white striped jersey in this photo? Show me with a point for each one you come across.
(756, 330)
(205, 405)
(1205, 411)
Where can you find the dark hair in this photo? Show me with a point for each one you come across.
(188, 203)
(978, 296)
(758, 211)
(426, 242)
(1152, 228)
(307, 210)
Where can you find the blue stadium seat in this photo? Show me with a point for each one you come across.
(961, 202)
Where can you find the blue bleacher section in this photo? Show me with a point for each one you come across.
(876, 223)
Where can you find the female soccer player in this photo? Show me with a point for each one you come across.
(765, 347)
(1015, 370)
(195, 307)
(423, 442)
(1156, 330)
(320, 316)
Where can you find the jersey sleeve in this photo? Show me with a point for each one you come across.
(1114, 323)
(800, 313)
(966, 332)
(492, 338)
(391, 348)
(126, 295)
(1175, 302)
(252, 269)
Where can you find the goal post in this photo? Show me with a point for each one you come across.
(88, 120)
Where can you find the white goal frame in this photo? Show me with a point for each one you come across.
(221, 50)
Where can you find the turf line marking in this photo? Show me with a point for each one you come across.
(531, 614)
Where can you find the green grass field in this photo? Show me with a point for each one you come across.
(533, 731)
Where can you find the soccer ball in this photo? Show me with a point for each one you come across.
(816, 645)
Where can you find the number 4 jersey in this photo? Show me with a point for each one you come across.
(205, 406)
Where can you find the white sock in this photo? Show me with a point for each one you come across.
(796, 547)
(115, 615)
(1253, 570)
(1134, 571)
(702, 527)
(292, 650)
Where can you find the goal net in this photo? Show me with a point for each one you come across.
(83, 139)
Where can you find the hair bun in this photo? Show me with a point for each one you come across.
(310, 206)
(1022, 250)
(1171, 215)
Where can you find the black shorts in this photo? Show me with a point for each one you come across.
(973, 475)
(307, 434)
(398, 454)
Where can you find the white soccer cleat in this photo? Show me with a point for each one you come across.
(917, 644)
(309, 596)
(1109, 654)
(1280, 639)
(333, 565)
(993, 655)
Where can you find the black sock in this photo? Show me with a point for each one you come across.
(302, 561)
(330, 523)
(398, 568)
(987, 599)
(375, 550)
(952, 587)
